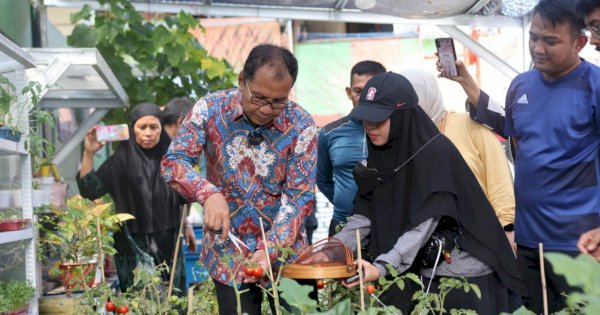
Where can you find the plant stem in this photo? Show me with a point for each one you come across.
(270, 270)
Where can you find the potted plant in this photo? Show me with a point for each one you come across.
(76, 235)
(14, 297)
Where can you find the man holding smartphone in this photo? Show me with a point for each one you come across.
(549, 118)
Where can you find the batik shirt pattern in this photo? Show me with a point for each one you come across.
(273, 180)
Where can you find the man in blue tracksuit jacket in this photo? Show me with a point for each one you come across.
(342, 144)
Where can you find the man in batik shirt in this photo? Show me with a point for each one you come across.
(260, 151)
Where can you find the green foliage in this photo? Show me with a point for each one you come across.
(148, 296)
(433, 303)
(205, 298)
(153, 60)
(25, 103)
(14, 295)
(582, 272)
(71, 233)
(297, 296)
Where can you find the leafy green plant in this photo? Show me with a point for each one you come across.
(146, 296)
(14, 295)
(72, 233)
(154, 60)
(433, 303)
(582, 272)
(25, 103)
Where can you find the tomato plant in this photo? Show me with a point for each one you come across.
(370, 289)
(110, 306)
(123, 309)
(257, 272)
(320, 284)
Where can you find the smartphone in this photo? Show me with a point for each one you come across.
(112, 133)
(447, 56)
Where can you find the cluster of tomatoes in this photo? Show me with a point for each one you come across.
(253, 271)
(111, 307)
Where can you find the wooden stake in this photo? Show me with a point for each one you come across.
(543, 276)
(190, 300)
(176, 252)
(270, 270)
(100, 253)
(360, 271)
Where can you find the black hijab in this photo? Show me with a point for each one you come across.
(421, 175)
(132, 177)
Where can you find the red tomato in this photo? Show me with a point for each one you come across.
(320, 284)
(110, 306)
(370, 289)
(123, 309)
(248, 271)
(257, 272)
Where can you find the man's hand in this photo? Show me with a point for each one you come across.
(260, 258)
(589, 243)
(216, 214)
(190, 238)
(463, 78)
(370, 273)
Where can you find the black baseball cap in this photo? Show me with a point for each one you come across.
(383, 94)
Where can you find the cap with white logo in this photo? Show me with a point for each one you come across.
(383, 94)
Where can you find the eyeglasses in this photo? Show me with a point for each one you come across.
(276, 104)
(592, 31)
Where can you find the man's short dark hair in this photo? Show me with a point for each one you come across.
(270, 54)
(560, 12)
(585, 7)
(176, 108)
(367, 67)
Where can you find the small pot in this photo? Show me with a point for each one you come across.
(14, 224)
(8, 134)
(22, 311)
(71, 280)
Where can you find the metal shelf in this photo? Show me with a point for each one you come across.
(14, 236)
(11, 148)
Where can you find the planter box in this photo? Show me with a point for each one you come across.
(8, 134)
(14, 224)
(21, 311)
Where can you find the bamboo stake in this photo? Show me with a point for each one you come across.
(176, 252)
(100, 253)
(190, 300)
(543, 276)
(270, 270)
(360, 271)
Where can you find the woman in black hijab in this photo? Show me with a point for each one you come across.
(421, 209)
(131, 176)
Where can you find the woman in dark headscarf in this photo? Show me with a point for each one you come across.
(131, 176)
(422, 208)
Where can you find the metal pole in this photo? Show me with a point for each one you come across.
(78, 136)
